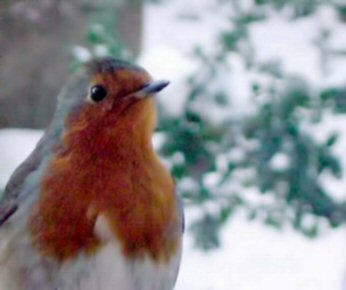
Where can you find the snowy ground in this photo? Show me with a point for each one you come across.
(253, 257)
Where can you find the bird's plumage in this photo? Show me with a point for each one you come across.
(93, 207)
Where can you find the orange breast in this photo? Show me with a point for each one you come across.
(132, 189)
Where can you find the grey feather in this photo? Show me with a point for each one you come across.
(17, 189)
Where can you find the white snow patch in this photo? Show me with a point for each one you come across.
(188, 184)
(16, 145)
(81, 53)
(258, 257)
(290, 42)
(211, 179)
(178, 158)
(101, 50)
(279, 162)
(158, 140)
(164, 62)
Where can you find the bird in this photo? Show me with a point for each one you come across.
(93, 207)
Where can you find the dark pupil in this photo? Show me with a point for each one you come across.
(98, 93)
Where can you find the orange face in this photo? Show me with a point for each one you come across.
(112, 110)
(114, 91)
(110, 94)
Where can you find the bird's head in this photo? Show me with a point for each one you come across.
(108, 99)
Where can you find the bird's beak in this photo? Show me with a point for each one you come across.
(151, 89)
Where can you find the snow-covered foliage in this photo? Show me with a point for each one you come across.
(258, 123)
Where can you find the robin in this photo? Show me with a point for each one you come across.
(93, 207)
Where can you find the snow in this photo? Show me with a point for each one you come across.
(277, 38)
(16, 145)
(280, 162)
(183, 25)
(257, 257)
(101, 50)
(81, 53)
(164, 62)
(294, 43)
(172, 31)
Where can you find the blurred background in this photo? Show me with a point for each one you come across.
(253, 125)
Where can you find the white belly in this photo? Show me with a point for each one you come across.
(109, 270)
(21, 267)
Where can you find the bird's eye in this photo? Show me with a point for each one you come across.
(98, 93)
